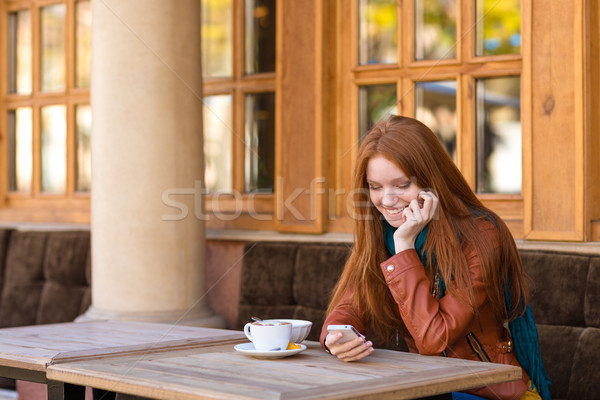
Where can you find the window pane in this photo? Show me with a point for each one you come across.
(83, 47)
(378, 26)
(83, 163)
(375, 102)
(19, 52)
(436, 108)
(498, 135)
(260, 36)
(217, 120)
(498, 27)
(217, 37)
(54, 149)
(20, 155)
(435, 29)
(52, 40)
(260, 143)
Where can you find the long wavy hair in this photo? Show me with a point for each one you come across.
(415, 149)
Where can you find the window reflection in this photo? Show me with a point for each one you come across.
(217, 38)
(436, 108)
(54, 148)
(217, 120)
(498, 135)
(20, 152)
(498, 27)
(260, 36)
(83, 162)
(53, 66)
(19, 52)
(435, 29)
(260, 143)
(375, 102)
(83, 46)
(378, 27)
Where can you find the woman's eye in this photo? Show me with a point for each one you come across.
(403, 186)
(373, 187)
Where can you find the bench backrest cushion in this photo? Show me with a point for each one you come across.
(4, 236)
(289, 280)
(45, 277)
(565, 304)
(66, 289)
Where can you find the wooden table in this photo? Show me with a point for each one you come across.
(219, 371)
(26, 352)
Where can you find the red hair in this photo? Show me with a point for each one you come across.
(415, 149)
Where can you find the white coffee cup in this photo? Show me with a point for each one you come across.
(270, 335)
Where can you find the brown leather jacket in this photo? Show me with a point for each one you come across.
(442, 327)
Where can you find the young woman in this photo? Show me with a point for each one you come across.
(432, 263)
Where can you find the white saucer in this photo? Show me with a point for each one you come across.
(248, 349)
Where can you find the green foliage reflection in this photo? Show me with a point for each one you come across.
(217, 37)
(498, 27)
(435, 29)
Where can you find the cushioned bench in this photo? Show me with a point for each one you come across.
(44, 277)
(294, 280)
(566, 307)
(289, 279)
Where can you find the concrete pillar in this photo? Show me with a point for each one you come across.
(147, 141)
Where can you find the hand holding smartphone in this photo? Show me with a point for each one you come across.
(349, 332)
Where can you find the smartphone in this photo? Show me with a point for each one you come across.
(349, 332)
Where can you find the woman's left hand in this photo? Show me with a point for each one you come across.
(416, 216)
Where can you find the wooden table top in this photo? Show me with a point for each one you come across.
(219, 371)
(35, 347)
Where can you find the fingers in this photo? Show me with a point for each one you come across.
(357, 353)
(417, 215)
(353, 350)
(424, 208)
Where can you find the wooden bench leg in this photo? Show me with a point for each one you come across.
(65, 391)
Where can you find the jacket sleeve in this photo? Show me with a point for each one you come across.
(344, 314)
(432, 323)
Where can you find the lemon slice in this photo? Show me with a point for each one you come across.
(293, 346)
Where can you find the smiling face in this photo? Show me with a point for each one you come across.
(390, 189)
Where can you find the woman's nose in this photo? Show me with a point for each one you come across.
(389, 198)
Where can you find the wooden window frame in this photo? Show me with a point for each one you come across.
(72, 206)
(465, 69)
(221, 209)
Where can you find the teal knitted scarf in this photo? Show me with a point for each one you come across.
(523, 330)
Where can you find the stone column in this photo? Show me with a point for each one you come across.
(147, 257)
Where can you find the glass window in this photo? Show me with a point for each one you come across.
(217, 116)
(260, 36)
(436, 107)
(20, 150)
(260, 142)
(239, 116)
(435, 29)
(375, 102)
(53, 63)
(498, 135)
(19, 52)
(46, 106)
(217, 38)
(54, 148)
(83, 43)
(498, 27)
(378, 38)
(83, 162)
